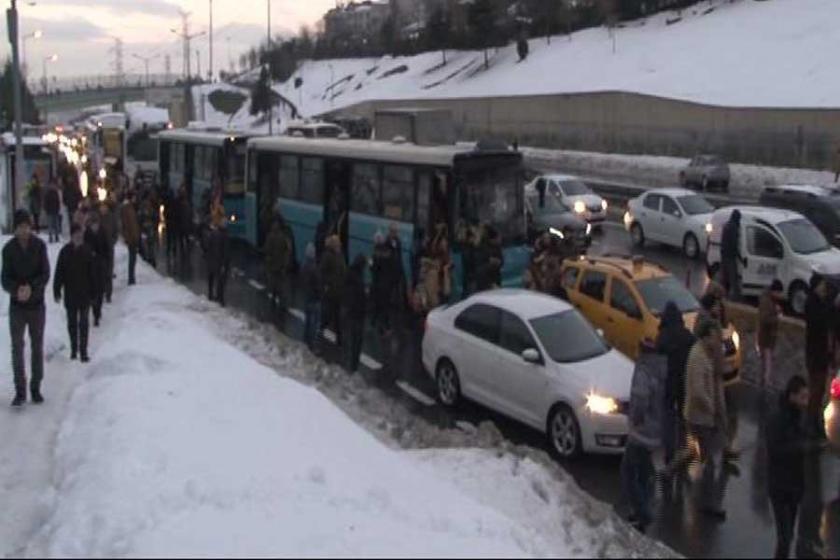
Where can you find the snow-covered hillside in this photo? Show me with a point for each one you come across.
(774, 53)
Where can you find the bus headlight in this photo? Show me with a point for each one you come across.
(601, 405)
(580, 207)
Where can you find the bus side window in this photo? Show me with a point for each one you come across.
(312, 181)
(288, 177)
(365, 197)
(398, 193)
(424, 193)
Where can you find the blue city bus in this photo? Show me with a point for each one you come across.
(195, 159)
(363, 186)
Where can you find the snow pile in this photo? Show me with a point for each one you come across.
(766, 54)
(174, 442)
(747, 181)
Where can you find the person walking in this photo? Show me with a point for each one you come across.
(381, 283)
(647, 396)
(100, 248)
(75, 276)
(675, 342)
(333, 270)
(818, 322)
(277, 254)
(217, 255)
(767, 329)
(72, 196)
(26, 271)
(36, 200)
(705, 414)
(355, 304)
(310, 278)
(468, 260)
(130, 233)
(489, 261)
(172, 222)
(52, 206)
(787, 444)
(730, 255)
(110, 227)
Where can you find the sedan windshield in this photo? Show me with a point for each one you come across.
(567, 337)
(553, 205)
(574, 188)
(803, 237)
(657, 292)
(695, 204)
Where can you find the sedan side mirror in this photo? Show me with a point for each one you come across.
(531, 356)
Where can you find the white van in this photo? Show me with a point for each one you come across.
(776, 244)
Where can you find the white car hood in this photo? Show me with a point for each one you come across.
(826, 262)
(610, 375)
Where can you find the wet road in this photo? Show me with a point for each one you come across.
(749, 529)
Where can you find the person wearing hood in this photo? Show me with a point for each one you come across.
(647, 396)
(355, 304)
(675, 342)
(730, 255)
(310, 278)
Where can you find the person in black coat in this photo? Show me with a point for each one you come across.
(100, 246)
(355, 305)
(172, 219)
(75, 276)
(489, 261)
(468, 259)
(52, 206)
(818, 320)
(72, 196)
(730, 255)
(26, 271)
(787, 444)
(217, 255)
(675, 342)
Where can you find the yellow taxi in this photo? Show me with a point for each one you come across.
(625, 297)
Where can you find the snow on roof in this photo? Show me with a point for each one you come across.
(215, 138)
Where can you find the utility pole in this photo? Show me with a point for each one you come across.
(12, 19)
(167, 65)
(210, 71)
(198, 63)
(185, 36)
(268, 57)
(117, 49)
(146, 60)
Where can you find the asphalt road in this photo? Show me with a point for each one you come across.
(749, 529)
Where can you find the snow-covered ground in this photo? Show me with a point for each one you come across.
(195, 431)
(757, 54)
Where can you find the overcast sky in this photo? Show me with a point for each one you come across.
(82, 32)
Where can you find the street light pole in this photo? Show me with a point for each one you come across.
(268, 65)
(210, 72)
(12, 18)
(37, 34)
(146, 60)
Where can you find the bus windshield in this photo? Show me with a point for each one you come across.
(491, 195)
(142, 145)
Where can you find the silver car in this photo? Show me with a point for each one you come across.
(705, 172)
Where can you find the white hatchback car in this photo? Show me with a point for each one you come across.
(533, 358)
(676, 217)
(575, 194)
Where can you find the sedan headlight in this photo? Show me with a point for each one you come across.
(601, 405)
(580, 207)
(709, 228)
(604, 205)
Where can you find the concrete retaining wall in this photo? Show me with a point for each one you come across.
(619, 122)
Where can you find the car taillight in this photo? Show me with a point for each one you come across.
(835, 389)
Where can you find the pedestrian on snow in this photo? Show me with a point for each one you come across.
(705, 413)
(418, 250)
(217, 255)
(311, 282)
(148, 218)
(26, 270)
(730, 255)
(381, 283)
(278, 251)
(100, 248)
(818, 321)
(468, 256)
(171, 208)
(489, 261)
(130, 233)
(767, 329)
(75, 275)
(333, 271)
(787, 444)
(675, 342)
(647, 395)
(185, 227)
(36, 200)
(52, 206)
(72, 196)
(80, 216)
(355, 306)
(110, 226)
(438, 251)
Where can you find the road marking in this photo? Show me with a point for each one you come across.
(415, 394)
(297, 313)
(256, 285)
(370, 363)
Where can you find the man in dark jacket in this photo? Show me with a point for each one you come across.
(110, 227)
(468, 255)
(217, 254)
(310, 278)
(185, 223)
(75, 276)
(818, 317)
(72, 196)
(787, 444)
(278, 251)
(52, 206)
(730, 255)
(489, 261)
(381, 283)
(36, 200)
(675, 342)
(172, 221)
(26, 270)
(131, 234)
(100, 248)
(355, 304)
(333, 271)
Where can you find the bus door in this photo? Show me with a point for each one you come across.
(337, 218)
(266, 179)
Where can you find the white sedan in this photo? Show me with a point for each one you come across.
(676, 217)
(574, 194)
(533, 358)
